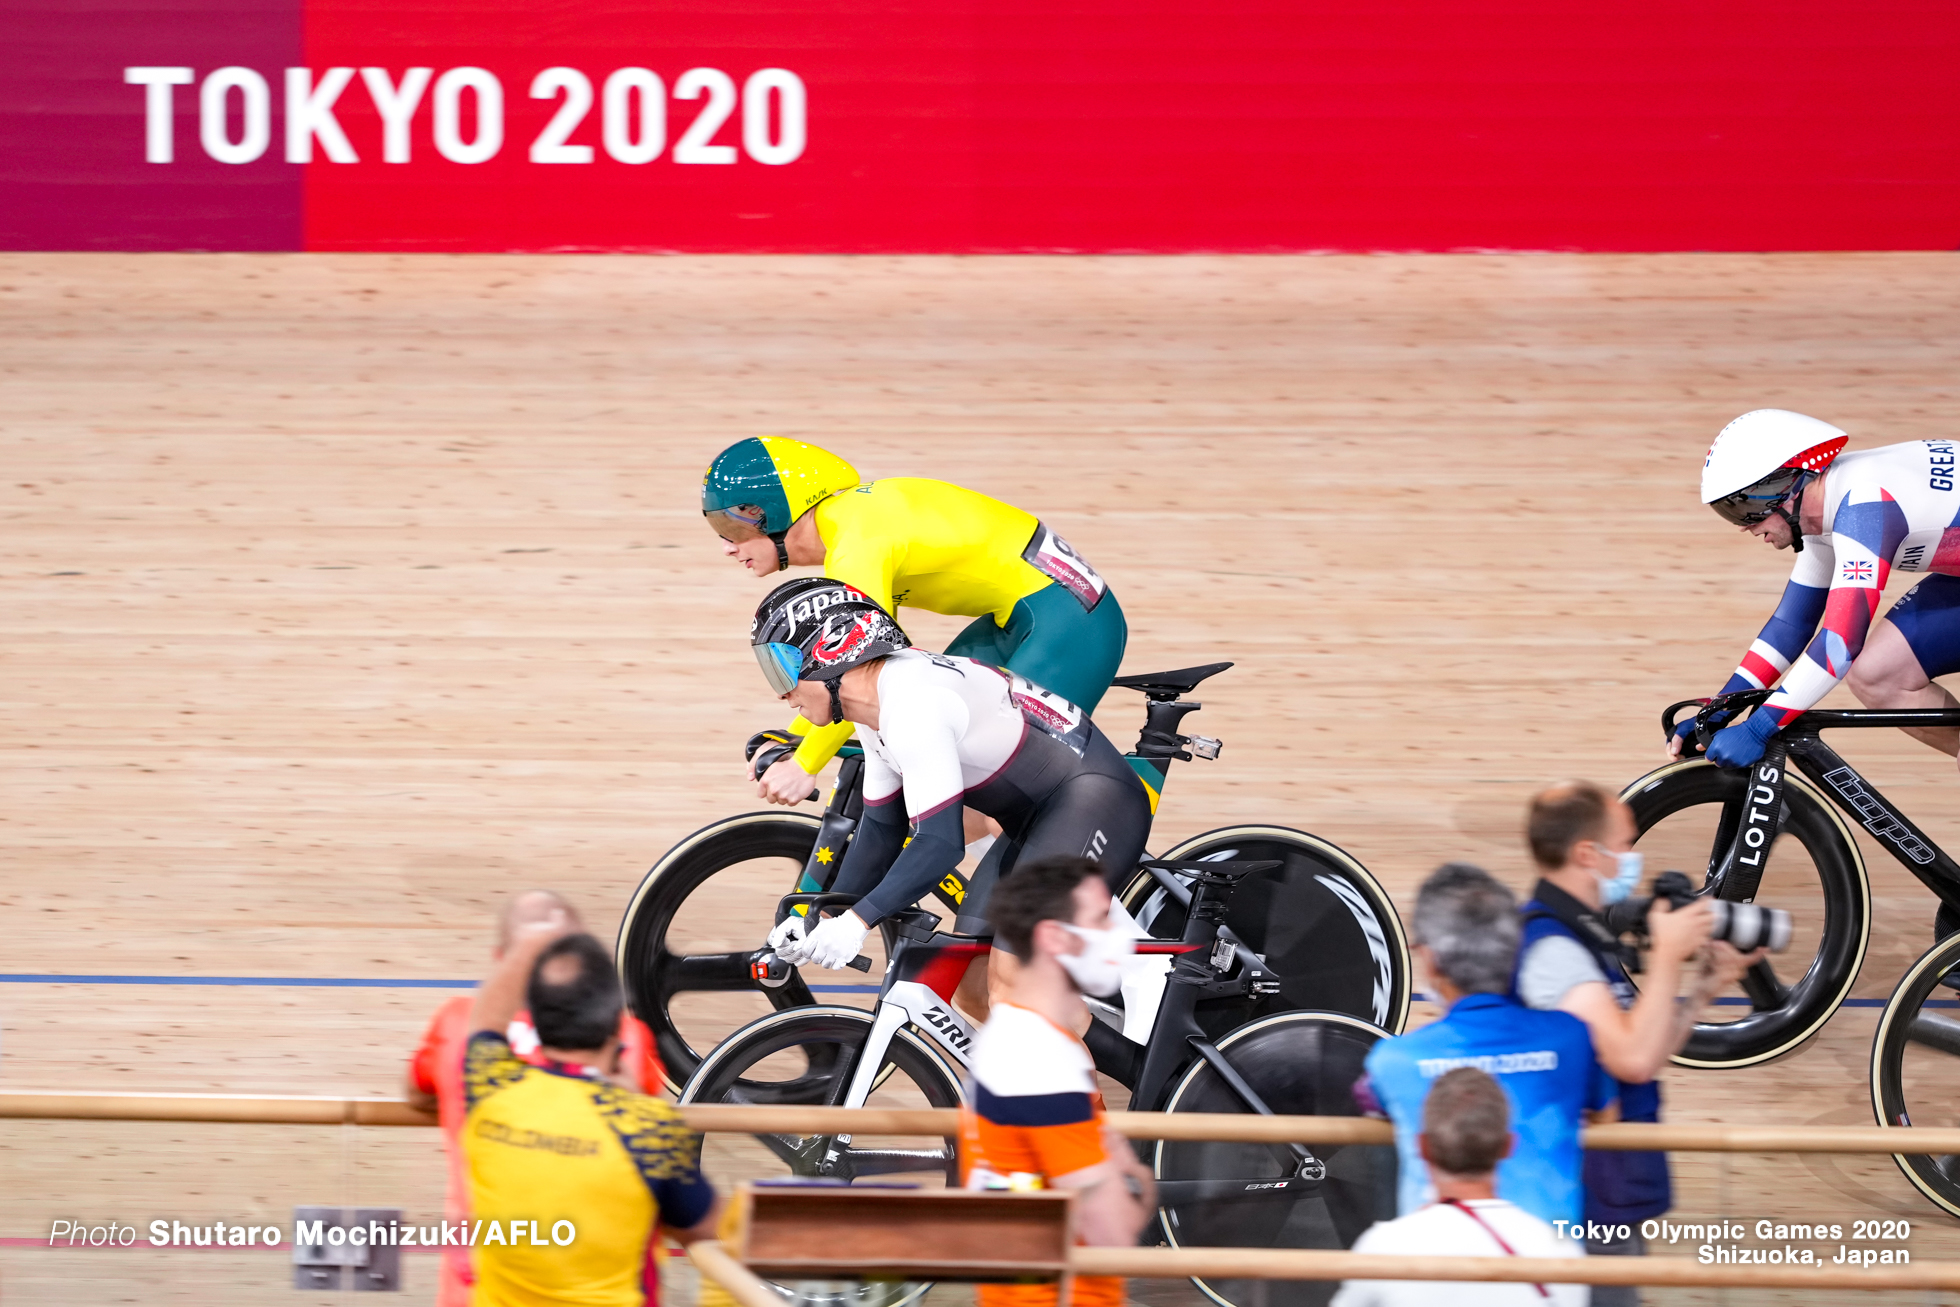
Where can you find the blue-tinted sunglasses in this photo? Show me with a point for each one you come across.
(781, 665)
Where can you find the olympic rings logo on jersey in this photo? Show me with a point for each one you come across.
(1034, 707)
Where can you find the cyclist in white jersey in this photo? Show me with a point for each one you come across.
(1853, 518)
(940, 734)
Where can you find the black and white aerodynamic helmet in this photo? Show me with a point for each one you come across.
(816, 629)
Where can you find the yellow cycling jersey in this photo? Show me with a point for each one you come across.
(916, 543)
(910, 542)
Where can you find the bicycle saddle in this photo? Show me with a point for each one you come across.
(1168, 685)
(1216, 871)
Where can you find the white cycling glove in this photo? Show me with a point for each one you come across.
(835, 941)
(787, 938)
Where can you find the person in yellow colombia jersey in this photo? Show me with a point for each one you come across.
(1039, 609)
(572, 1178)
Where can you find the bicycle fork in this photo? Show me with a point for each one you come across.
(1743, 839)
(1748, 829)
(945, 1027)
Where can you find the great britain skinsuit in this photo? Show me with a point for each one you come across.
(1893, 507)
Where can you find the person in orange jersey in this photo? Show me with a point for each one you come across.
(1035, 1117)
(435, 1075)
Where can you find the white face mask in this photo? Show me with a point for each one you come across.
(1098, 968)
(1619, 888)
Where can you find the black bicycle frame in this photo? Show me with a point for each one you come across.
(1863, 803)
(1201, 970)
(1749, 825)
(1197, 973)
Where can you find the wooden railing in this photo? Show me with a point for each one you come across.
(1230, 1127)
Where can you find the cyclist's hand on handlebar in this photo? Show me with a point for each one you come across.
(1742, 745)
(785, 782)
(790, 930)
(1680, 932)
(836, 940)
(1684, 734)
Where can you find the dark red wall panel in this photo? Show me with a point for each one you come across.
(72, 170)
(1072, 125)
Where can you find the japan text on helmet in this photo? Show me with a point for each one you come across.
(760, 486)
(1762, 459)
(815, 629)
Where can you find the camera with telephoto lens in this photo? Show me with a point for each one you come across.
(1746, 926)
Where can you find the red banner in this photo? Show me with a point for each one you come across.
(738, 125)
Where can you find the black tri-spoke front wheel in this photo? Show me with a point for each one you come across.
(1916, 1064)
(1325, 925)
(1687, 813)
(694, 923)
(1213, 1194)
(806, 1057)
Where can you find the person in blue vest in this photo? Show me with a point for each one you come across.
(1466, 931)
(1582, 840)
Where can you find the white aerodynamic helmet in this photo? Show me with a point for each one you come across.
(1760, 458)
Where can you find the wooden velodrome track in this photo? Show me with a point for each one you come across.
(343, 596)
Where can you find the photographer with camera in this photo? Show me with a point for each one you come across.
(1570, 960)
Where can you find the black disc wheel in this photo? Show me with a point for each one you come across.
(1687, 813)
(1916, 1063)
(1325, 925)
(1233, 1195)
(806, 1057)
(697, 919)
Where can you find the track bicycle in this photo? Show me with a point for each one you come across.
(1781, 829)
(1916, 1064)
(1915, 1053)
(692, 935)
(910, 1050)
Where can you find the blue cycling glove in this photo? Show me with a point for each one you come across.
(1742, 745)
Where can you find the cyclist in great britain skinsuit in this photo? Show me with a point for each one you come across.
(1853, 518)
(939, 732)
(1039, 609)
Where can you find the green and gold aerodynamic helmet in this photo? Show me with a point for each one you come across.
(760, 486)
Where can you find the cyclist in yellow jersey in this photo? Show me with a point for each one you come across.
(1039, 609)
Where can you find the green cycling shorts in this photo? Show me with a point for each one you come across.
(1050, 640)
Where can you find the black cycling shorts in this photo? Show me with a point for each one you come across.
(1052, 802)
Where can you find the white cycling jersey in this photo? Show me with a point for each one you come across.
(948, 725)
(1893, 507)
